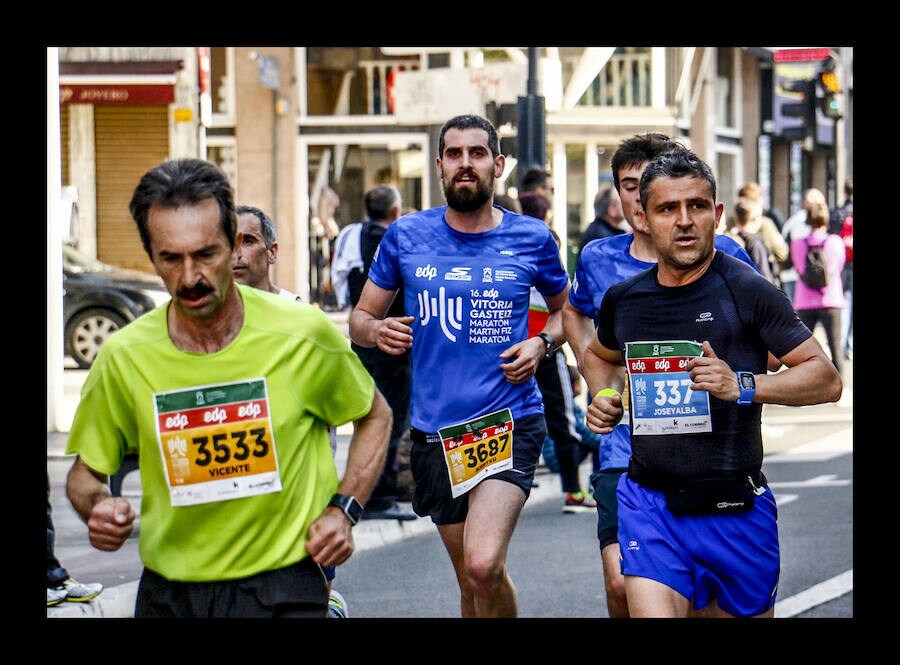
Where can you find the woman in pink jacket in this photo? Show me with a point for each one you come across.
(823, 305)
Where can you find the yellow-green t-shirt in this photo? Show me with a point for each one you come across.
(219, 433)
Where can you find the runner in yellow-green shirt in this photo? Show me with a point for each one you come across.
(241, 503)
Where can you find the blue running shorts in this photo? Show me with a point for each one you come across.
(731, 558)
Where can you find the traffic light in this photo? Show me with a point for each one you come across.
(805, 108)
(830, 84)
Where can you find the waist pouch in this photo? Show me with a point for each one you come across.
(705, 496)
(420, 437)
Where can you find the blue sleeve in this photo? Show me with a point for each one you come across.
(730, 246)
(551, 275)
(385, 269)
(580, 294)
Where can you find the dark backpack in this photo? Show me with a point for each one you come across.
(369, 239)
(815, 274)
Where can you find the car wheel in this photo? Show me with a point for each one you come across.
(87, 331)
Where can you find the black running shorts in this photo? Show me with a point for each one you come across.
(432, 496)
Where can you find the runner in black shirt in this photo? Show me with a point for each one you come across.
(697, 523)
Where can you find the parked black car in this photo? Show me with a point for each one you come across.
(99, 298)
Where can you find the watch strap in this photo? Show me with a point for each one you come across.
(746, 396)
(348, 504)
(548, 341)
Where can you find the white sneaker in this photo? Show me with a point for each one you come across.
(55, 596)
(78, 592)
(337, 606)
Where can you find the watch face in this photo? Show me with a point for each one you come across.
(354, 509)
(351, 507)
(747, 381)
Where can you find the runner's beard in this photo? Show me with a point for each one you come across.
(467, 200)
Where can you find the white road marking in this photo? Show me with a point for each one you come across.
(828, 480)
(828, 447)
(815, 595)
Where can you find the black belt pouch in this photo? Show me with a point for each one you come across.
(711, 496)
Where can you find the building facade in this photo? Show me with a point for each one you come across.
(303, 132)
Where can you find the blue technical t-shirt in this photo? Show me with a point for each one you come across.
(743, 316)
(602, 263)
(469, 294)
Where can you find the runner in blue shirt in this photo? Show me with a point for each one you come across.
(467, 269)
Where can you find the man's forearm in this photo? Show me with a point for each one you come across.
(368, 449)
(85, 489)
(579, 330)
(600, 372)
(362, 329)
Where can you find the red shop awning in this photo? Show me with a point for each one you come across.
(150, 82)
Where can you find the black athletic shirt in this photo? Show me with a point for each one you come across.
(742, 316)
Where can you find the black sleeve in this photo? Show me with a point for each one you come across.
(605, 321)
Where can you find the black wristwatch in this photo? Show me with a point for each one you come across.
(548, 341)
(747, 384)
(349, 506)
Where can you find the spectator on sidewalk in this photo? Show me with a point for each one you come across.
(538, 182)
(589, 446)
(846, 235)
(764, 225)
(795, 227)
(609, 220)
(747, 233)
(822, 305)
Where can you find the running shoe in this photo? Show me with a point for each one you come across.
(55, 596)
(78, 592)
(579, 502)
(337, 606)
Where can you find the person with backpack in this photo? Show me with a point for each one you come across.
(355, 250)
(747, 233)
(796, 227)
(819, 294)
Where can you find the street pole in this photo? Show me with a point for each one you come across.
(531, 122)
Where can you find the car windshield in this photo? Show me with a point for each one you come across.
(75, 261)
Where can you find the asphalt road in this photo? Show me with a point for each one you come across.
(400, 570)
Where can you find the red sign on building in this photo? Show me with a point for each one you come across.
(116, 94)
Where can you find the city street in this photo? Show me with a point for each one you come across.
(401, 569)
